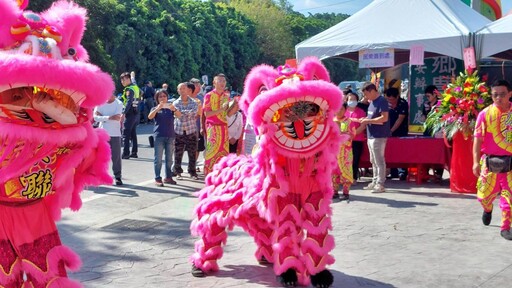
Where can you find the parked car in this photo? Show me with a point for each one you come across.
(355, 86)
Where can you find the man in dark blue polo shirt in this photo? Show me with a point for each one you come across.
(378, 130)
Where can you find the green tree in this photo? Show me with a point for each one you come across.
(273, 34)
(304, 27)
(174, 40)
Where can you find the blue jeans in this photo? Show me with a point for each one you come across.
(161, 144)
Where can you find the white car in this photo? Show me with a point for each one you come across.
(355, 86)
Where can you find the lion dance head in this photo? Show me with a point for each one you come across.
(48, 148)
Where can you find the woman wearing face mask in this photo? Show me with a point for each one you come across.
(354, 112)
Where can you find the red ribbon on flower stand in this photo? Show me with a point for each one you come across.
(462, 179)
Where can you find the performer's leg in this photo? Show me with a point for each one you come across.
(209, 248)
(209, 151)
(42, 258)
(505, 181)
(49, 264)
(505, 210)
(11, 275)
(336, 180)
(487, 190)
(346, 191)
(262, 232)
(286, 237)
(316, 215)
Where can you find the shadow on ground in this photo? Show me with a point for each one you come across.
(130, 190)
(264, 275)
(388, 201)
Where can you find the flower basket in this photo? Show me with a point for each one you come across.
(455, 116)
(458, 108)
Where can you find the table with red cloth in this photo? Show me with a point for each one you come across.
(417, 152)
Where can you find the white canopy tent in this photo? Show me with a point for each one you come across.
(495, 39)
(442, 27)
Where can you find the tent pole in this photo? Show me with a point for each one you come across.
(476, 5)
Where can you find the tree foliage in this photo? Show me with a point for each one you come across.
(274, 36)
(174, 40)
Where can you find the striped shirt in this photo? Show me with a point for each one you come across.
(186, 124)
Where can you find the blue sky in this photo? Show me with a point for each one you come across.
(349, 6)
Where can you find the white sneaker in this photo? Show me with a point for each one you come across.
(370, 186)
(379, 189)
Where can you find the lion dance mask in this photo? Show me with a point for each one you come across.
(280, 195)
(48, 148)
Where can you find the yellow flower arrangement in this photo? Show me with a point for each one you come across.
(458, 108)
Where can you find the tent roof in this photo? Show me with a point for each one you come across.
(495, 39)
(440, 26)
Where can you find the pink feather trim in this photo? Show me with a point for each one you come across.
(55, 256)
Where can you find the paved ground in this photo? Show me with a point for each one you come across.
(410, 236)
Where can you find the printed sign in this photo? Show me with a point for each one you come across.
(372, 58)
(436, 71)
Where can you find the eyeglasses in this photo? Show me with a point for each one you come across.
(500, 95)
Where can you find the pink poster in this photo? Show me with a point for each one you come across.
(416, 55)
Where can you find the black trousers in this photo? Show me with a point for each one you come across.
(130, 133)
(232, 147)
(187, 142)
(357, 150)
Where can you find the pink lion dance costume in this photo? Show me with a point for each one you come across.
(280, 195)
(48, 148)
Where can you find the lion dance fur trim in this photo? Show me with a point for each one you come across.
(48, 149)
(280, 195)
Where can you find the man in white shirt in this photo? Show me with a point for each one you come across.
(249, 139)
(235, 129)
(108, 116)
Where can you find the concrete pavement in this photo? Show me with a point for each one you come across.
(137, 235)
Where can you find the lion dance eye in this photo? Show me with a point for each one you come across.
(71, 52)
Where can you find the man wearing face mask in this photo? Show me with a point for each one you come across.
(354, 112)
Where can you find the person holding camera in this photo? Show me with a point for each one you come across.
(164, 135)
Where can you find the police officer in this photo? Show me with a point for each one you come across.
(130, 97)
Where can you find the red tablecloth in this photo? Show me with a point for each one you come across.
(418, 152)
